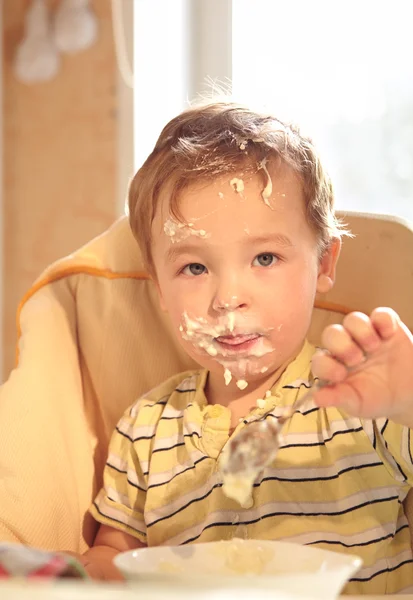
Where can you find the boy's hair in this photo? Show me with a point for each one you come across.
(207, 141)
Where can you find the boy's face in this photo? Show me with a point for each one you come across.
(239, 278)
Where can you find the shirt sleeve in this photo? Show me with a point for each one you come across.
(394, 444)
(121, 502)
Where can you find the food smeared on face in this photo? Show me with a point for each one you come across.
(237, 185)
(267, 191)
(241, 384)
(177, 231)
(234, 341)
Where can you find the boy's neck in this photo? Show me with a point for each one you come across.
(240, 402)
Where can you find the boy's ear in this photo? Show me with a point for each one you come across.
(327, 267)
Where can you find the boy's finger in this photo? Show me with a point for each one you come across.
(341, 395)
(361, 329)
(385, 321)
(337, 340)
(327, 368)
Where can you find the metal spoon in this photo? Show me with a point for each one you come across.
(256, 446)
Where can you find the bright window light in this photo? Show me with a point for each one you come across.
(343, 71)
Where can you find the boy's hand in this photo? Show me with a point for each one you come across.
(369, 362)
(101, 566)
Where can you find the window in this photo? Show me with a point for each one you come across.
(340, 69)
(343, 70)
(161, 68)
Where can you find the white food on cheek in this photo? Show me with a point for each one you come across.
(237, 185)
(180, 231)
(242, 384)
(199, 325)
(267, 191)
(212, 351)
(220, 194)
(261, 403)
(227, 376)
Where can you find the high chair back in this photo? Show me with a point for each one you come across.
(92, 338)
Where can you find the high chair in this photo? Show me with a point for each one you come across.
(92, 338)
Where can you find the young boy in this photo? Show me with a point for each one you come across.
(234, 215)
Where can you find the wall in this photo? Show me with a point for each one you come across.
(1, 200)
(60, 159)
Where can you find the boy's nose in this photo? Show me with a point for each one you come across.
(224, 303)
(231, 292)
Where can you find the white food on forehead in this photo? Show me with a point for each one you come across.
(242, 384)
(267, 191)
(180, 231)
(227, 376)
(261, 403)
(237, 185)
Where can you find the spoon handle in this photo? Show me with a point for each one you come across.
(290, 410)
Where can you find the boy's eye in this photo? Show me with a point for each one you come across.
(194, 269)
(266, 259)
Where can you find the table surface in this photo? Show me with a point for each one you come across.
(78, 590)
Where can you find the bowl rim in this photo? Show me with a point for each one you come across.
(351, 562)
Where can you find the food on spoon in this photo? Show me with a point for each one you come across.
(252, 449)
(245, 456)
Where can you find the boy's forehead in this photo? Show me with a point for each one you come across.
(238, 196)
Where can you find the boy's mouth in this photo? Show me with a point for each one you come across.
(238, 342)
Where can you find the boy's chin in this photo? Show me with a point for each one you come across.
(251, 371)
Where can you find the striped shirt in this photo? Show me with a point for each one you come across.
(338, 482)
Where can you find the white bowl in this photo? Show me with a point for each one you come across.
(283, 568)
